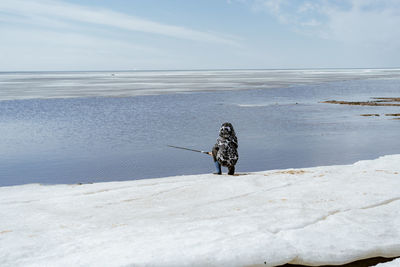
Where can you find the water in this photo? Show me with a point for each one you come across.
(80, 133)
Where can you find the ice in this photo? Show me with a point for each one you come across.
(32, 85)
(393, 263)
(254, 105)
(312, 216)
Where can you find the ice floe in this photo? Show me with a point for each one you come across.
(312, 216)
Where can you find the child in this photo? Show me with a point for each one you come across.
(224, 151)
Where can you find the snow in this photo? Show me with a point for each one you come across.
(312, 216)
(393, 263)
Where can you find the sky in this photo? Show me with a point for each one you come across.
(41, 35)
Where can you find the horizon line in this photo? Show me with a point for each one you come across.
(203, 69)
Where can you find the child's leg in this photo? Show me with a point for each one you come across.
(217, 165)
(231, 170)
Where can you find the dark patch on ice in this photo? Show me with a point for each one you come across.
(377, 101)
(359, 263)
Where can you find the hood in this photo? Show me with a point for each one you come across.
(227, 131)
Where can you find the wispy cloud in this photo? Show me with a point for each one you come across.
(39, 49)
(52, 13)
(363, 22)
(367, 22)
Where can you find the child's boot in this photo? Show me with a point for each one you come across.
(231, 170)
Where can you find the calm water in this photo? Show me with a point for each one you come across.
(55, 132)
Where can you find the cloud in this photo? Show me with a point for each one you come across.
(56, 35)
(50, 13)
(365, 22)
(359, 22)
(38, 49)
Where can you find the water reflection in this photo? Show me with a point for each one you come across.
(107, 139)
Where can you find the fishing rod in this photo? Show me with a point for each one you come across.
(194, 150)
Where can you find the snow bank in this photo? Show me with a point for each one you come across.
(393, 263)
(313, 216)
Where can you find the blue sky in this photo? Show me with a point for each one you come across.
(194, 34)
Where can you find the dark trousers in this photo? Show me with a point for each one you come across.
(231, 168)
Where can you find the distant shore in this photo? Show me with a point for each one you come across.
(75, 84)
